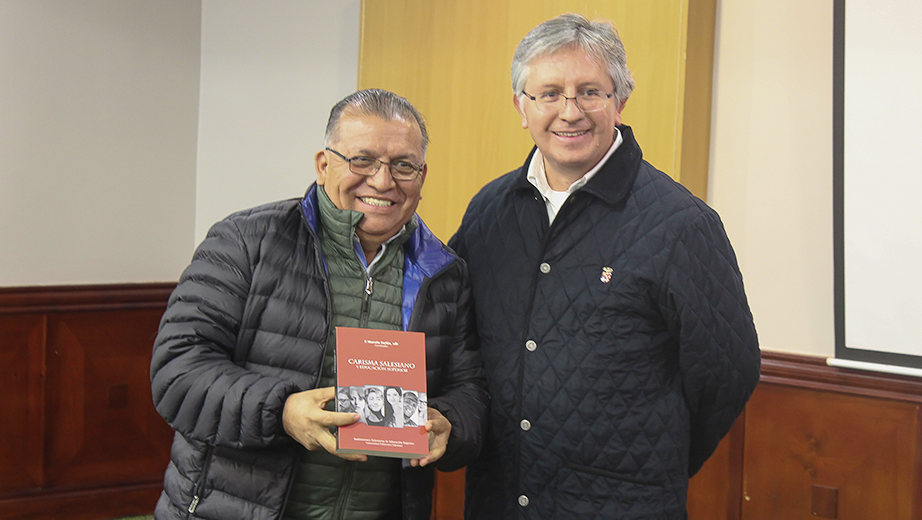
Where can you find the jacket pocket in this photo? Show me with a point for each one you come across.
(633, 479)
(586, 492)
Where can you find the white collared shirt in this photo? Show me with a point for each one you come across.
(359, 252)
(554, 200)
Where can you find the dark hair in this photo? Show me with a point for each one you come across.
(390, 418)
(411, 396)
(375, 102)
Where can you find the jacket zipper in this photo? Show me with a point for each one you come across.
(369, 289)
(197, 490)
(340, 511)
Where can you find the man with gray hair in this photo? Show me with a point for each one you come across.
(243, 365)
(618, 344)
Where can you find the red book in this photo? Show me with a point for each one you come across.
(381, 375)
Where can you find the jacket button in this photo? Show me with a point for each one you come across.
(545, 267)
(525, 424)
(531, 346)
(523, 500)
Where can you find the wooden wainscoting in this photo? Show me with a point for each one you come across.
(824, 442)
(80, 439)
(79, 436)
(817, 442)
(715, 492)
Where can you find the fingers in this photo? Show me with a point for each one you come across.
(354, 457)
(322, 438)
(325, 394)
(438, 423)
(439, 429)
(305, 420)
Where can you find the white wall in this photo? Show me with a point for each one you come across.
(113, 165)
(271, 72)
(771, 164)
(98, 121)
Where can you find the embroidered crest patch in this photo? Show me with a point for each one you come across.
(606, 274)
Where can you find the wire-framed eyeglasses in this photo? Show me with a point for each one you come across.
(587, 100)
(367, 166)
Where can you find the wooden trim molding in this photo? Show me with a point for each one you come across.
(813, 373)
(65, 298)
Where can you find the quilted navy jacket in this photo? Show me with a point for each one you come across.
(246, 327)
(618, 344)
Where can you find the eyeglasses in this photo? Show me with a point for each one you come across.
(587, 100)
(368, 166)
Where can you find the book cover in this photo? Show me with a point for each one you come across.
(381, 375)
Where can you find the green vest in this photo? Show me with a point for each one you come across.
(326, 486)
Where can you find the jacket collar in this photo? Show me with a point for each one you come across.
(423, 250)
(424, 255)
(613, 181)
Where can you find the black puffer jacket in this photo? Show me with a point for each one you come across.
(618, 344)
(246, 327)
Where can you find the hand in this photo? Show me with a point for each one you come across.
(307, 422)
(438, 427)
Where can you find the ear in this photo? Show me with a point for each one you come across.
(422, 176)
(618, 110)
(321, 163)
(517, 101)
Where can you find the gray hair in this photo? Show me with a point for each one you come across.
(375, 102)
(599, 39)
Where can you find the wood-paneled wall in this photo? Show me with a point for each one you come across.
(80, 440)
(452, 60)
(79, 437)
(831, 443)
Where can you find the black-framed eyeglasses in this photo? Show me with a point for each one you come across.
(367, 166)
(588, 100)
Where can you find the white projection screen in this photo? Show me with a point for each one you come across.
(878, 181)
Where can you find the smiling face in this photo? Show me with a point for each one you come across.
(410, 402)
(387, 204)
(374, 400)
(572, 141)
